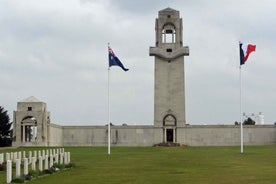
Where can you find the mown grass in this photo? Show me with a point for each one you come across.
(142, 165)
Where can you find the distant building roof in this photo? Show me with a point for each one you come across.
(31, 99)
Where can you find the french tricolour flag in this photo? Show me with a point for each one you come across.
(245, 51)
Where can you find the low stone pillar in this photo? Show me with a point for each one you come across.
(33, 163)
(1, 158)
(17, 168)
(51, 161)
(25, 172)
(8, 156)
(9, 171)
(46, 165)
(40, 167)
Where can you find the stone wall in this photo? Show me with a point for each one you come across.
(226, 135)
(98, 135)
(55, 135)
(191, 135)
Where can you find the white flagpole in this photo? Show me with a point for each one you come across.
(108, 152)
(241, 114)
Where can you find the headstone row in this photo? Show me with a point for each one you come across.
(44, 159)
(19, 155)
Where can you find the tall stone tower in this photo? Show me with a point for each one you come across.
(169, 89)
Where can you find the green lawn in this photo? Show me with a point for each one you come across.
(167, 165)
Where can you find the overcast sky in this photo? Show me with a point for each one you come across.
(56, 50)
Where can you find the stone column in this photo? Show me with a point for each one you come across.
(17, 168)
(26, 166)
(9, 171)
(23, 133)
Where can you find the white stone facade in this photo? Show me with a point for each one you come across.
(31, 123)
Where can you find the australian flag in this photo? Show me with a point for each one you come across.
(114, 60)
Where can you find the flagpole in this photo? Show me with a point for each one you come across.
(241, 114)
(108, 152)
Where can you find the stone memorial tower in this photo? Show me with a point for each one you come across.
(31, 123)
(169, 89)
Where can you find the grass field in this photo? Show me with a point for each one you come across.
(142, 165)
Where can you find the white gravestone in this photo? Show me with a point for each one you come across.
(56, 158)
(1, 158)
(17, 167)
(46, 162)
(51, 160)
(8, 157)
(61, 158)
(40, 164)
(25, 166)
(9, 171)
(19, 155)
(69, 155)
(33, 163)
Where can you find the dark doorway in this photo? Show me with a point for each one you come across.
(169, 133)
